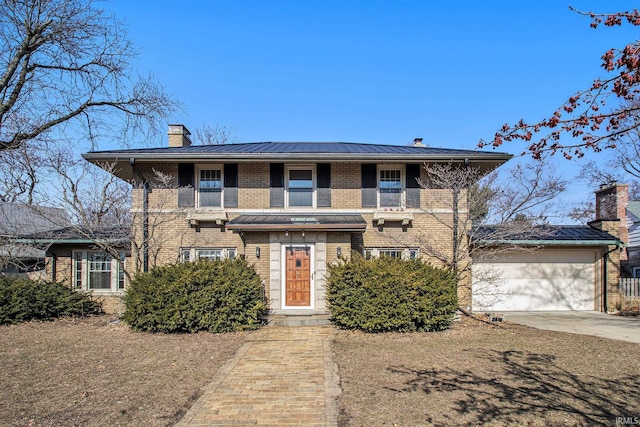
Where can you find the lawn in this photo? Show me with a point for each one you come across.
(476, 374)
(90, 372)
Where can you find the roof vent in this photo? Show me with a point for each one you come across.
(418, 142)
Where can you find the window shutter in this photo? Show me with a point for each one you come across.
(186, 190)
(412, 185)
(276, 184)
(231, 185)
(323, 171)
(369, 185)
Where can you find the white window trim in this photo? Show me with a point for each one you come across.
(314, 192)
(83, 261)
(194, 251)
(401, 168)
(312, 281)
(406, 252)
(214, 166)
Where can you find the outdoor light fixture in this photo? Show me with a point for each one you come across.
(302, 233)
(286, 233)
(339, 252)
(257, 251)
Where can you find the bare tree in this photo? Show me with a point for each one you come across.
(67, 63)
(481, 215)
(214, 135)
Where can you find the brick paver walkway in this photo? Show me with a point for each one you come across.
(280, 376)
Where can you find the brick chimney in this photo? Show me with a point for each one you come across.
(611, 211)
(179, 136)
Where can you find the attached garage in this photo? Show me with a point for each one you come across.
(545, 280)
(564, 272)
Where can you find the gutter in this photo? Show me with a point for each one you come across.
(336, 157)
(551, 242)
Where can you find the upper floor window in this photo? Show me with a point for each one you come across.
(210, 187)
(301, 187)
(390, 188)
(99, 271)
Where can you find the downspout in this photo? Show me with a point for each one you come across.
(145, 216)
(605, 258)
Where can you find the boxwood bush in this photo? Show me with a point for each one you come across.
(22, 300)
(215, 296)
(390, 294)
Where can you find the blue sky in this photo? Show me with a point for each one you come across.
(370, 71)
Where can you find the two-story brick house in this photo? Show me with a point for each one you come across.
(288, 208)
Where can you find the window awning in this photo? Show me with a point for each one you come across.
(297, 222)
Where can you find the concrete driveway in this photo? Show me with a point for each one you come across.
(580, 322)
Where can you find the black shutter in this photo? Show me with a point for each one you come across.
(186, 190)
(231, 185)
(276, 183)
(323, 171)
(369, 173)
(412, 185)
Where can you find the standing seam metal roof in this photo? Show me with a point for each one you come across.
(299, 147)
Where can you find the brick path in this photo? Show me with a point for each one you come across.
(280, 376)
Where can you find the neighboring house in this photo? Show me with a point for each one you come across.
(633, 244)
(18, 219)
(562, 267)
(78, 257)
(288, 208)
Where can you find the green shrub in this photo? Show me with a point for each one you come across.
(214, 296)
(390, 294)
(22, 300)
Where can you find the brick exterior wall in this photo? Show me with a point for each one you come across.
(170, 230)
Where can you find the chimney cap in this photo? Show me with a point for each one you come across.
(179, 129)
(417, 142)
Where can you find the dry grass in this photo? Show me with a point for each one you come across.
(89, 372)
(476, 374)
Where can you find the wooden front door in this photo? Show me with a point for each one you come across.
(298, 276)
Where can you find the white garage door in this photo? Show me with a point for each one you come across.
(543, 280)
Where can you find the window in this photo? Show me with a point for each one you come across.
(98, 271)
(300, 187)
(210, 188)
(391, 252)
(390, 188)
(188, 254)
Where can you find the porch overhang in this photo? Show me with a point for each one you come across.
(308, 222)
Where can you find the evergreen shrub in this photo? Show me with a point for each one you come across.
(22, 300)
(390, 294)
(214, 296)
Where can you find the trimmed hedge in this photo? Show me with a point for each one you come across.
(22, 300)
(389, 294)
(214, 296)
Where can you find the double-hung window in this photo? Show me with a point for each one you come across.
(301, 187)
(390, 188)
(210, 187)
(98, 271)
